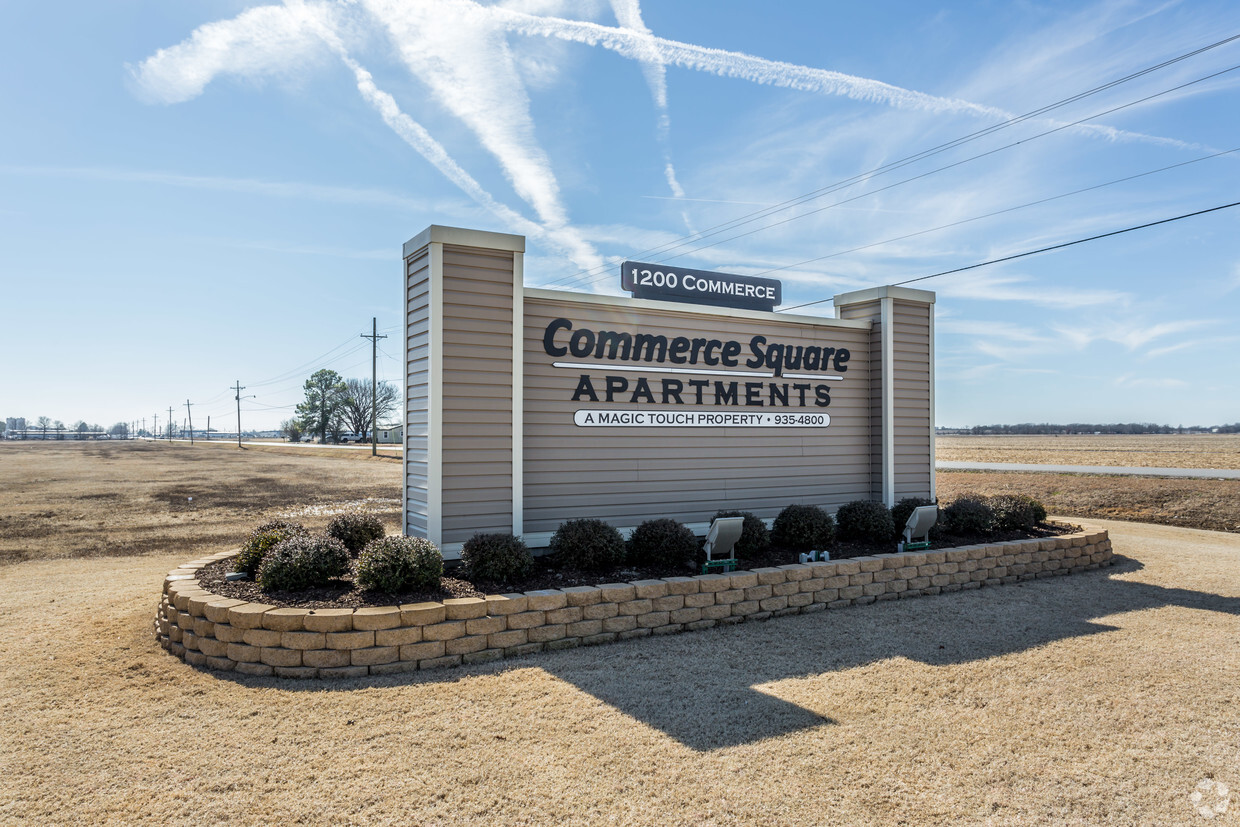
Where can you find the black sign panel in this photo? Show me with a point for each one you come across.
(655, 281)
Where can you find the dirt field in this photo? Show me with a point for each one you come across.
(1146, 451)
(85, 499)
(1102, 698)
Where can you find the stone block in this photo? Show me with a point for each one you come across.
(545, 600)
(770, 575)
(885, 576)
(743, 579)
(868, 563)
(212, 648)
(466, 645)
(685, 615)
(599, 611)
(504, 604)
(635, 607)
(814, 584)
(242, 653)
(852, 592)
(697, 601)
(800, 599)
(669, 629)
(373, 618)
(220, 664)
(326, 658)
(714, 582)
(796, 572)
(261, 637)
(827, 595)
(279, 656)
(372, 655)
(729, 596)
(328, 620)
(418, 652)
(731, 620)
(258, 670)
(485, 656)
(527, 620)
(897, 586)
(513, 637)
(669, 603)
(649, 589)
(622, 623)
(542, 634)
(448, 630)
(652, 619)
(633, 633)
(957, 555)
(464, 608)
(217, 610)
(584, 628)
(758, 592)
(745, 607)
(595, 640)
(203, 627)
(401, 636)
(681, 585)
(583, 595)
(717, 611)
(699, 625)
(447, 661)
(861, 578)
(285, 620)
(873, 589)
(303, 640)
(569, 614)
(617, 592)
(564, 643)
(424, 614)
(248, 615)
(892, 561)
(349, 640)
(773, 604)
(343, 672)
(524, 649)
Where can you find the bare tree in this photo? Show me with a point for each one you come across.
(358, 404)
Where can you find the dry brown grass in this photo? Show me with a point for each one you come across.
(1146, 450)
(84, 499)
(1100, 698)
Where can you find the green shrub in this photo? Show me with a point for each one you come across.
(865, 521)
(588, 544)
(498, 557)
(397, 564)
(969, 514)
(1013, 512)
(1039, 510)
(262, 540)
(303, 561)
(803, 527)
(355, 529)
(901, 511)
(662, 542)
(755, 537)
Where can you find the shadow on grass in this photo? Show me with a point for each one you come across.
(699, 688)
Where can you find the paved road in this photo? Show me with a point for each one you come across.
(1195, 473)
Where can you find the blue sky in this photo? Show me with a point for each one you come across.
(196, 193)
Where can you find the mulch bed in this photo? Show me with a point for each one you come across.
(344, 593)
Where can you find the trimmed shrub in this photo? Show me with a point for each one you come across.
(755, 537)
(588, 544)
(901, 511)
(355, 529)
(303, 561)
(865, 521)
(803, 527)
(1039, 510)
(498, 557)
(969, 514)
(662, 542)
(397, 564)
(262, 540)
(1013, 512)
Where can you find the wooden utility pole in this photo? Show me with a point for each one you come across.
(190, 415)
(239, 388)
(374, 338)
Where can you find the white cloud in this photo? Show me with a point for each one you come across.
(1129, 333)
(1134, 380)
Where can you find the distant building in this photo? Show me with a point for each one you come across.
(393, 434)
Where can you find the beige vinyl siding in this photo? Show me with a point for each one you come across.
(477, 392)
(911, 388)
(872, 311)
(417, 384)
(628, 474)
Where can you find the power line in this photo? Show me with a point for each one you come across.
(1042, 249)
(894, 165)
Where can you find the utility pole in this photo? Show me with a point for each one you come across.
(374, 338)
(239, 388)
(190, 414)
(208, 427)
(171, 424)
(155, 427)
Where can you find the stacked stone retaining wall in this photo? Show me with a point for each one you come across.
(208, 630)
